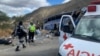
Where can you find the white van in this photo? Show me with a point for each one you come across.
(85, 40)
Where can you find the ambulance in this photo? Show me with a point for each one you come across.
(85, 39)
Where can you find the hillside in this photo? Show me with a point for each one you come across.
(5, 25)
(45, 12)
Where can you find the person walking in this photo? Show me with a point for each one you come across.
(31, 32)
(20, 32)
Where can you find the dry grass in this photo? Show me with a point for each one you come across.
(5, 33)
(44, 32)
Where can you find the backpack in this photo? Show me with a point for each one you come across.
(32, 28)
(19, 30)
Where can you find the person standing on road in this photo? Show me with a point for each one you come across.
(31, 32)
(20, 32)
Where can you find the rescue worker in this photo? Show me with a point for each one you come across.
(31, 32)
(20, 32)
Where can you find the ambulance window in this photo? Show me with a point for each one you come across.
(67, 25)
(89, 27)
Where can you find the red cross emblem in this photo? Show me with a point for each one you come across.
(67, 46)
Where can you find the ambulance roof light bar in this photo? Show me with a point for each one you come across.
(95, 2)
(92, 8)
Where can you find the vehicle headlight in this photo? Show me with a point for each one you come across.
(10, 41)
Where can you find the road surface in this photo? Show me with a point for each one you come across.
(41, 47)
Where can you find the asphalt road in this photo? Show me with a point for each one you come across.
(41, 47)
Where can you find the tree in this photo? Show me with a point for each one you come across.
(3, 16)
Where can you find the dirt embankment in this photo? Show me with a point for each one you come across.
(5, 32)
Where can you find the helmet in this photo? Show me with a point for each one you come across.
(20, 23)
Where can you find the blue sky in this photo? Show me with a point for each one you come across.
(54, 2)
(22, 7)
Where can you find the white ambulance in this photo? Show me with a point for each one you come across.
(85, 40)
